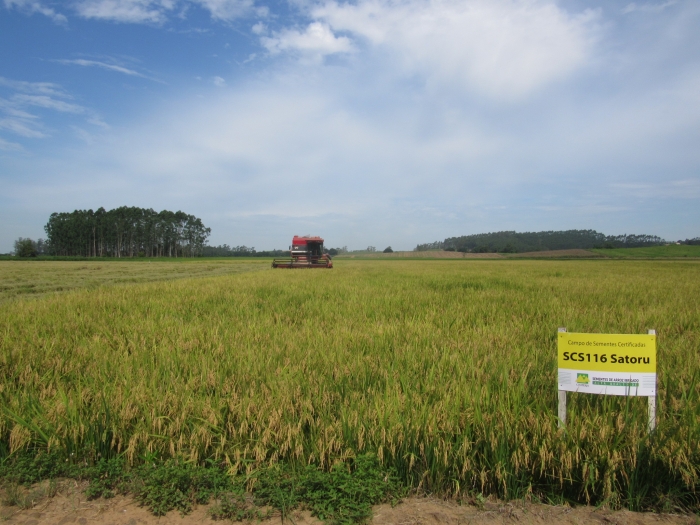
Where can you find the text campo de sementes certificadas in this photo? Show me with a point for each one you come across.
(603, 358)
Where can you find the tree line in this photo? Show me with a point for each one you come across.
(125, 232)
(512, 242)
(25, 247)
(224, 250)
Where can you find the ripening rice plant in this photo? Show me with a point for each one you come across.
(446, 370)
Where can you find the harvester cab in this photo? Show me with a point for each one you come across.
(306, 252)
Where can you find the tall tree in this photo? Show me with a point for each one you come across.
(125, 232)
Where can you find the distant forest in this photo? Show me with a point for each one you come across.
(139, 232)
(125, 232)
(513, 242)
(239, 251)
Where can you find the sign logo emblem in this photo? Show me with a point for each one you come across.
(582, 379)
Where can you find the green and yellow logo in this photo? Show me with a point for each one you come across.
(582, 379)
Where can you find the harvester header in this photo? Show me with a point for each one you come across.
(305, 252)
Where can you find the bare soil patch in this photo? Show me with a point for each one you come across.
(70, 506)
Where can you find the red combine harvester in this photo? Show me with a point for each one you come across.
(306, 252)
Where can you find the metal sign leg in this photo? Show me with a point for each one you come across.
(562, 408)
(652, 402)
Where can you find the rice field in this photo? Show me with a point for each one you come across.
(670, 250)
(39, 278)
(446, 370)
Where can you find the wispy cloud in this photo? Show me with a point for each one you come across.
(33, 6)
(143, 11)
(132, 11)
(10, 108)
(104, 65)
(677, 189)
(649, 7)
(43, 88)
(159, 11)
(226, 9)
(95, 63)
(44, 101)
(9, 146)
(95, 120)
(21, 127)
(16, 118)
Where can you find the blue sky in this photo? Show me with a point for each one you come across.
(371, 122)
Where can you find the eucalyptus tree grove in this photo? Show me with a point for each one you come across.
(126, 232)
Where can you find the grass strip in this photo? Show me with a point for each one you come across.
(342, 495)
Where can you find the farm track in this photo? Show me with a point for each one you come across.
(70, 506)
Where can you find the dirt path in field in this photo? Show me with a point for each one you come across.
(69, 506)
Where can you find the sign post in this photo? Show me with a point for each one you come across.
(607, 364)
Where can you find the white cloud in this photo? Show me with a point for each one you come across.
(226, 9)
(158, 11)
(33, 6)
(218, 82)
(133, 11)
(317, 40)
(263, 147)
(505, 49)
(647, 7)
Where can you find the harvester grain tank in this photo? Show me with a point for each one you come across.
(306, 252)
